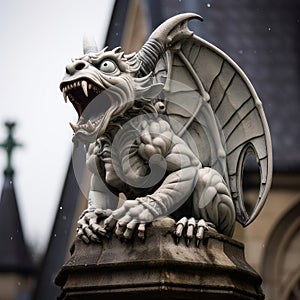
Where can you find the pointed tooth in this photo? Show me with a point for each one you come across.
(90, 125)
(65, 96)
(89, 86)
(74, 127)
(81, 119)
(84, 87)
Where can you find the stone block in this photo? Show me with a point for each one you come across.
(159, 269)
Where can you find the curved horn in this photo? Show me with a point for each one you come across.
(89, 44)
(163, 37)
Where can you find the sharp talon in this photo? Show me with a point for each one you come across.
(141, 235)
(177, 239)
(199, 234)
(101, 231)
(179, 229)
(85, 239)
(96, 239)
(198, 243)
(187, 242)
(128, 234)
(190, 231)
(141, 231)
(110, 223)
(119, 230)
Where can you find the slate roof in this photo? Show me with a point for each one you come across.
(14, 255)
(263, 38)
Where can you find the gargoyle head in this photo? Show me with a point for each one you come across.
(102, 85)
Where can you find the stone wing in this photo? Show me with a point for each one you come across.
(215, 109)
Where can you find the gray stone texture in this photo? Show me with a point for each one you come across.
(159, 269)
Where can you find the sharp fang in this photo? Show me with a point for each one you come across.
(84, 87)
(89, 86)
(65, 96)
(74, 127)
(81, 119)
(90, 126)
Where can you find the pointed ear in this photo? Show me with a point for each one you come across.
(89, 44)
(149, 92)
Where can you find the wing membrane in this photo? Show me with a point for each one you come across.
(215, 103)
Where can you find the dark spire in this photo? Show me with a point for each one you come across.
(9, 145)
(14, 255)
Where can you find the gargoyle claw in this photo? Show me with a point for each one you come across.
(180, 225)
(129, 230)
(141, 231)
(89, 228)
(201, 228)
(192, 228)
(110, 223)
(98, 229)
(124, 228)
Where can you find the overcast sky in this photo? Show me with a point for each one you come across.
(38, 38)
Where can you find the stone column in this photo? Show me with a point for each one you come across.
(159, 269)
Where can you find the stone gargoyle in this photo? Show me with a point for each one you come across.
(169, 127)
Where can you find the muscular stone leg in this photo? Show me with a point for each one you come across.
(212, 201)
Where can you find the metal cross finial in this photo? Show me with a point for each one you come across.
(9, 145)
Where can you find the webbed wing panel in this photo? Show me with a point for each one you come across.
(213, 101)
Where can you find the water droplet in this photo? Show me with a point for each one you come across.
(11, 238)
(10, 182)
(54, 234)
(208, 4)
(60, 207)
(269, 28)
(241, 51)
(85, 265)
(64, 218)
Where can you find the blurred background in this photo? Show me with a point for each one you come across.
(41, 200)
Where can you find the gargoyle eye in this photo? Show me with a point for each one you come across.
(108, 66)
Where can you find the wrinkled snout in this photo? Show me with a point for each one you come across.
(75, 66)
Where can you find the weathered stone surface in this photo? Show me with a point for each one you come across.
(159, 269)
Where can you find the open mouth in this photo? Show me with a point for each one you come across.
(82, 94)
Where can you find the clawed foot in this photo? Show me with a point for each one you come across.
(191, 228)
(88, 228)
(130, 217)
(124, 230)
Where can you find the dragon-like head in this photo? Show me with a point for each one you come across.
(103, 85)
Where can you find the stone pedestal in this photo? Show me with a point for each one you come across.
(159, 269)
